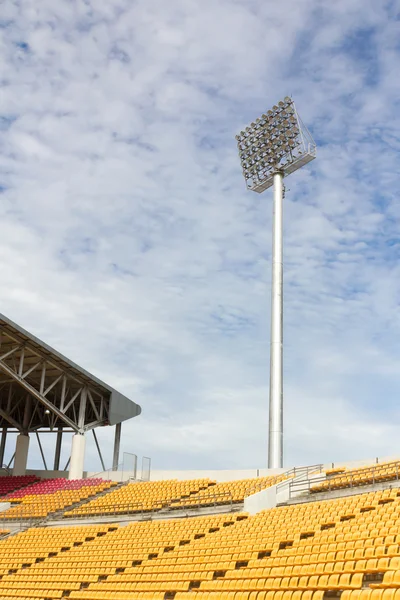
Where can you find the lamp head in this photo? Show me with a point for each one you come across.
(276, 141)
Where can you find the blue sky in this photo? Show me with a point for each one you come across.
(129, 242)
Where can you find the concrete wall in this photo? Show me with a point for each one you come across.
(217, 475)
(47, 474)
(4, 506)
(277, 494)
(261, 500)
(214, 475)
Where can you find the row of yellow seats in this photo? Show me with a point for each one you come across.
(242, 531)
(255, 595)
(336, 581)
(383, 471)
(148, 494)
(235, 490)
(41, 505)
(279, 595)
(146, 526)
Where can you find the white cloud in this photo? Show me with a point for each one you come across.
(128, 241)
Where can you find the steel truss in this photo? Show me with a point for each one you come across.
(38, 390)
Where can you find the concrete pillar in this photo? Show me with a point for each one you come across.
(21, 454)
(77, 456)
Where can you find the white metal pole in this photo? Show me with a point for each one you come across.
(275, 441)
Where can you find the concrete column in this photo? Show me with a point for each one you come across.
(21, 454)
(77, 456)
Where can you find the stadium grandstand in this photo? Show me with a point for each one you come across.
(41, 390)
(309, 533)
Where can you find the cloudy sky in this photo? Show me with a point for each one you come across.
(129, 242)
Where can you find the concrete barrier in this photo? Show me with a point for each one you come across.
(4, 506)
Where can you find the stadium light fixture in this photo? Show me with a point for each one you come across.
(273, 146)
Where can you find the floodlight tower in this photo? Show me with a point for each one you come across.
(272, 147)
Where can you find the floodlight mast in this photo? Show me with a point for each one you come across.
(275, 438)
(274, 146)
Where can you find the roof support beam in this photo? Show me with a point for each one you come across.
(96, 412)
(29, 388)
(41, 450)
(82, 410)
(98, 449)
(7, 354)
(27, 413)
(29, 371)
(48, 389)
(74, 397)
(12, 421)
(93, 424)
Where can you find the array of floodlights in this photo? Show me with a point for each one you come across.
(277, 141)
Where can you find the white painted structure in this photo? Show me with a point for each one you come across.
(77, 456)
(42, 390)
(276, 494)
(21, 454)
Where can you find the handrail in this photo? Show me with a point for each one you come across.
(106, 474)
(306, 468)
(287, 476)
(366, 469)
(308, 485)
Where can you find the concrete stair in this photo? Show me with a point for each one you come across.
(60, 513)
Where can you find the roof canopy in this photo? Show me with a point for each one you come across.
(41, 388)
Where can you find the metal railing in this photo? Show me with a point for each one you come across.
(20, 518)
(375, 476)
(107, 474)
(306, 470)
(285, 478)
(344, 466)
(125, 472)
(369, 468)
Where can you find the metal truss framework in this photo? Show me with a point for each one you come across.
(37, 390)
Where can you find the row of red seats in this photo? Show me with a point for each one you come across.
(51, 486)
(9, 483)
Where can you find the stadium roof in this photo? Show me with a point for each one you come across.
(41, 388)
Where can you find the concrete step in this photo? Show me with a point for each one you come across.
(61, 512)
(149, 516)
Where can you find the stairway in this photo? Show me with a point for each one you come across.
(60, 513)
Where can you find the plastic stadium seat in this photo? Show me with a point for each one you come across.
(284, 553)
